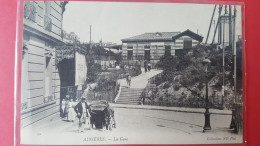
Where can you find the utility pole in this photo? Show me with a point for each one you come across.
(109, 56)
(219, 13)
(232, 124)
(214, 25)
(230, 26)
(90, 36)
(235, 54)
(223, 60)
(210, 24)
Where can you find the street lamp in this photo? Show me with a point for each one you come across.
(207, 126)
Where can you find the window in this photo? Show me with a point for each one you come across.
(187, 43)
(129, 54)
(47, 19)
(158, 34)
(167, 50)
(147, 55)
(48, 78)
(147, 46)
(129, 47)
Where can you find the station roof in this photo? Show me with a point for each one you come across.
(153, 36)
(190, 34)
(162, 36)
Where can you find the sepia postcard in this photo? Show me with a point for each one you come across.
(106, 73)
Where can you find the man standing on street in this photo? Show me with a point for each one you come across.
(82, 113)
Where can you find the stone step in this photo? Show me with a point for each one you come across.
(130, 94)
(129, 102)
(131, 89)
(133, 99)
(129, 97)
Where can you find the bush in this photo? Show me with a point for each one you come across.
(105, 84)
(176, 88)
(167, 63)
(200, 86)
(166, 85)
(93, 70)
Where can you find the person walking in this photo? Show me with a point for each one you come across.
(145, 66)
(66, 110)
(149, 66)
(63, 105)
(71, 112)
(82, 113)
(128, 80)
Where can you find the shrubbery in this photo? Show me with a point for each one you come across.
(187, 71)
(93, 70)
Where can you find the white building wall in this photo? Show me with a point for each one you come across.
(40, 84)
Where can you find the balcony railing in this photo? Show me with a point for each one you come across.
(30, 11)
(47, 23)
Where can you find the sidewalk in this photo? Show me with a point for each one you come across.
(175, 109)
(141, 80)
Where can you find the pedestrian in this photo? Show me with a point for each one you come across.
(63, 105)
(71, 112)
(82, 113)
(149, 66)
(145, 66)
(66, 107)
(128, 80)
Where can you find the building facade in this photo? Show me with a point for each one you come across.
(40, 89)
(152, 46)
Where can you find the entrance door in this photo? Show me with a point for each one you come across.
(130, 54)
(167, 50)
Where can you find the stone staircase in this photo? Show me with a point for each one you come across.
(130, 96)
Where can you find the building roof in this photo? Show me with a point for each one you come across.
(163, 36)
(190, 34)
(154, 36)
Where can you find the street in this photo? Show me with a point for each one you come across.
(136, 126)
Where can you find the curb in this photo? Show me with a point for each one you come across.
(174, 110)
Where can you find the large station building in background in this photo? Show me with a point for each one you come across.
(152, 46)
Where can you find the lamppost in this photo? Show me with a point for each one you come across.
(207, 126)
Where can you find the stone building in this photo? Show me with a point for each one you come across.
(42, 31)
(152, 46)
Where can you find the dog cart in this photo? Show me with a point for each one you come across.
(101, 115)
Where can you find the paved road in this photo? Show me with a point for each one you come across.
(136, 126)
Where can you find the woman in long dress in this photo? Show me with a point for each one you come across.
(63, 105)
(71, 112)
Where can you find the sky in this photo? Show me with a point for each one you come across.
(113, 21)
